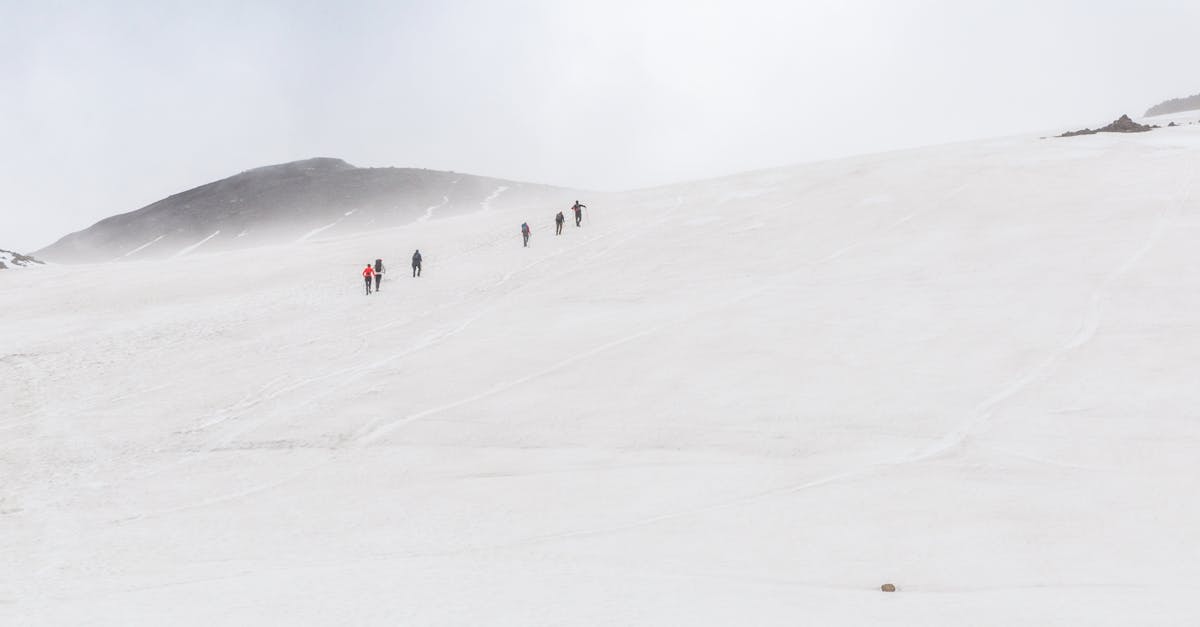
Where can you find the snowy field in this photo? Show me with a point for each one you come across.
(968, 370)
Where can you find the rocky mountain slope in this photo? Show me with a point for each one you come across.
(1175, 105)
(290, 202)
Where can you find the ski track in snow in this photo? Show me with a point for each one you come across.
(142, 247)
(1088, 326)
(374, 433)
(196, 245)
(429, 210)
(309, 235)
(321, 229)
(486, 205)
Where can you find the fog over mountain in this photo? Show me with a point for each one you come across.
(1175, 105)
(289, 202)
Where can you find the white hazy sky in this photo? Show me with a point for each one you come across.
(108, 106)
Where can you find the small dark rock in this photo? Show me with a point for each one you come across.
(887, 587)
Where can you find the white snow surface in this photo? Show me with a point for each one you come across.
(967, 370)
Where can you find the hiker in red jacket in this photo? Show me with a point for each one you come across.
(368, 272)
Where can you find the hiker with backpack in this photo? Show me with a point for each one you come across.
(525, 233)
(558, 223)
(416, 263)
(367, 273)
(578, 209)
(378, 273)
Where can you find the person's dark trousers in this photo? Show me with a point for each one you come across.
(578, 219)
(558, 230)
(416, 269)
(378, 278)
(526, 237)
(367, 280)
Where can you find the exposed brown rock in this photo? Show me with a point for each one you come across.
(1122, 124)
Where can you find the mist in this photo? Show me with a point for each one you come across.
(111, 106)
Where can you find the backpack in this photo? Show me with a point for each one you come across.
(379, 265)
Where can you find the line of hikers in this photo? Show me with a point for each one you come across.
(377, 271)
(558, 222)
(559, 219)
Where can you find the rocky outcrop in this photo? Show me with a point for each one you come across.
(10, 259)
(1122, 124)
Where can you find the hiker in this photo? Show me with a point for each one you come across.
(416, 263)
(525, 233)
(368, 272)
(578, 209)
(558, 222)
(378, 273)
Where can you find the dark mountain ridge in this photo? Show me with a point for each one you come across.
(1175, 105)
(289, 202)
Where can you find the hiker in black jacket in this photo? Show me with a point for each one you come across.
(417, 263)
(578, 209)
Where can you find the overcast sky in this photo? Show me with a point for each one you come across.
(108, 106)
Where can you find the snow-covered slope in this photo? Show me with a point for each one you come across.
(10, 259)
(967, 370)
